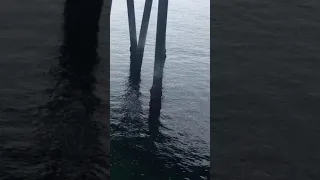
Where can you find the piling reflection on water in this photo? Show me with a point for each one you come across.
(139, 148)
(72, 131)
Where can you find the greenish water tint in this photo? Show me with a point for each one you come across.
(168, 138)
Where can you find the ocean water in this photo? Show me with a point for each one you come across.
(265, 89)
(175, 145)
(53, 123)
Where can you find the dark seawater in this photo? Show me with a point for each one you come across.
(168, 139)
(265, 89)
(53, 91)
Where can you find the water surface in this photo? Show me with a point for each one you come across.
(53, 103)
(175, 145)
(265, 89)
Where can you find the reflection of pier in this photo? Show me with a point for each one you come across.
(155, 107)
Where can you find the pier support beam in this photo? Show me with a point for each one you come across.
(160, 56)
(132, 25)
(160, 53)
(144, 27)
(137, 50)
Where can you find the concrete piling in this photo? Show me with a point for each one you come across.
(144, 27)
(132, 25)
(137, 49)
(160, 53)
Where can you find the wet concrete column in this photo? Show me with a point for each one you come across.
(156, 90)
(144, 28)
(160, 53)
(132, 26)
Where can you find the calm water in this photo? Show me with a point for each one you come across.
(265, 93)
(52, 125)
(175, 145)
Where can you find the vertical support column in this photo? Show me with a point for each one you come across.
(160, 42)
(156, 90)
(132, 26)
(144, 27)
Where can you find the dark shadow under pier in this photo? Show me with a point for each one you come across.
(73, 130)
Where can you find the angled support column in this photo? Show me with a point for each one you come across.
(138, 51)
(144, 27)
(143, 33)
(132, 26)
(160, 53)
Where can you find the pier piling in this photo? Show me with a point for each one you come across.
(144, 27)
(132, 26)
(137, 49)
(160, 53)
